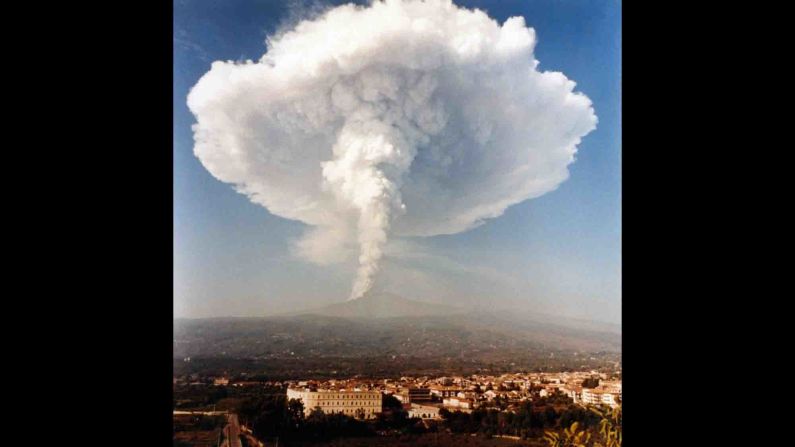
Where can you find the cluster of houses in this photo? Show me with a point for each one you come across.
(424, 397)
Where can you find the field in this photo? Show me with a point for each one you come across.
(197, 431)
(199, 438)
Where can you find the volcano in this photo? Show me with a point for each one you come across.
(383, 305)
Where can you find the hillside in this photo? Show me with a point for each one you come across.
(382, 305)
(387, 326)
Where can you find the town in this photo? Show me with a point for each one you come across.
(423, 397)
(405, 405)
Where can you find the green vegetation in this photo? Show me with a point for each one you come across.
(608, 435)
(196, 430)
(610, 427)
(275, 417)
(527, 422)
(385, 366)
(269, 414)
(571, 437)
(199, 397)
(434, 439)
(198, 422)
(325, 347)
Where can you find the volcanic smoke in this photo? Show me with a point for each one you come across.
(402, 118)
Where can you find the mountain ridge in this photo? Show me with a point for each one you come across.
(386, 325)
(381, 305)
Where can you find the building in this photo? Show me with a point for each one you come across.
(419, 395)
(543, 392)
(246, 383)
(600, 397)
(442, 391)
(611, 386)
(424, 411)
(354, 403)
(610, 399)
(574, 392)
(459, 403)
(402, 396)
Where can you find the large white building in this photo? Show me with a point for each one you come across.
(424, 411)
(354, 403)
(600, 397)
(458, 402)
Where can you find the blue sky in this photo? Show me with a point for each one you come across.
(558, 254)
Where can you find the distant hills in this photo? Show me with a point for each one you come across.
(386, 325)
(382, 305)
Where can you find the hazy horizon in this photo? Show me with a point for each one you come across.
(508, 311)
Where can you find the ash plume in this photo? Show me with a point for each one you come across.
(401, 118)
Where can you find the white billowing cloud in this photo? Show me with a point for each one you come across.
(402, 118)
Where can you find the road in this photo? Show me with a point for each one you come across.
(232, 432)
(252, 441)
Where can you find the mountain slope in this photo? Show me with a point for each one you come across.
(387, 325)
(383, 305)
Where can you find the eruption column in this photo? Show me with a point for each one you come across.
(403, 118)
(366, 173)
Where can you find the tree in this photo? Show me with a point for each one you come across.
(591, 382)
(550, 417)
(210, 422)
(390, 402)
(610, 427)
(295, 409)
(571, 437)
